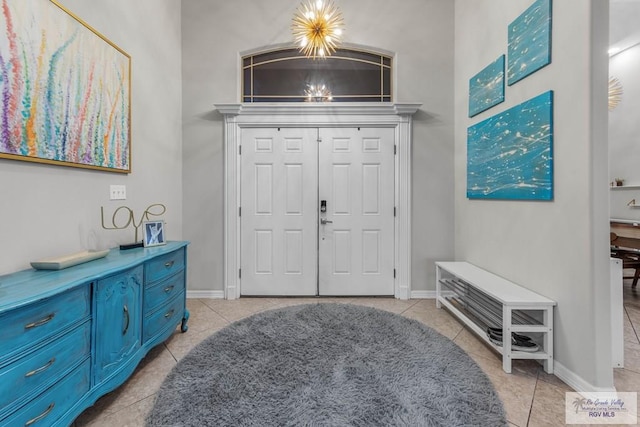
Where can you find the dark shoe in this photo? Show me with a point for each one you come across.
(498, 332)
(496, 340)
(516, 344)
(528, 346)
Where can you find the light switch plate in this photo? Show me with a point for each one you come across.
(118, 192)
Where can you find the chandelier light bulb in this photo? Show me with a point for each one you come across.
(317, 93)
(615, 93)
(317, 27)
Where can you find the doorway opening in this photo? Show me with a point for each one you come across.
(242, 119)
(317, 211)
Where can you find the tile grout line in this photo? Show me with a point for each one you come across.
(533, 398)
(631, 322)
(170, 352)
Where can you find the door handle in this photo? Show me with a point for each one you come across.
(324, 221)
(125, 311)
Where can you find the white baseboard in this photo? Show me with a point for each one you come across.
(423, 294)
(575, 381)
(205, 294)
(220, 294)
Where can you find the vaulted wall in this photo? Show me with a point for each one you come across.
(559, 249)
(50, 211)
(214, 35)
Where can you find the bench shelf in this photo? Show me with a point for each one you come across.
(481, 299)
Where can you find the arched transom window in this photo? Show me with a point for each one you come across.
(286, 75)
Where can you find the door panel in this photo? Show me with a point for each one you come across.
(279, 228)
(356, 244)
(371, 251)
(293, 252)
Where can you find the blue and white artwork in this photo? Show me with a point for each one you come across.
(486, 88)
(510, 155)
(529, 46)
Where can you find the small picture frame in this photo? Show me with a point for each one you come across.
(153, 233)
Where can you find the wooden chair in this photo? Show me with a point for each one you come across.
(630, 258)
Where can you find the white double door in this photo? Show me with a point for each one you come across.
(317, 211)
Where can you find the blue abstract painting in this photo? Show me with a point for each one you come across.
(529, 47)
(510, 155)
(486, 88)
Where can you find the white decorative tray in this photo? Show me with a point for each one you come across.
(68, 260)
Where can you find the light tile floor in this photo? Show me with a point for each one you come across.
(531, 397)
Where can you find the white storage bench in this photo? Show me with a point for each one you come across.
(481, 299)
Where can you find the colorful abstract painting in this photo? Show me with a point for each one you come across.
(529, 47)
(510, 155)
(65, 90)
(486, 89)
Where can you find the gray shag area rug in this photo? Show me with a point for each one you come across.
(327, 365)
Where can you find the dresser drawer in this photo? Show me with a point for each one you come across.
(45, 409)
(28, 326)
(164, 266)
(164, 317)
(42, 367)
(162, 292)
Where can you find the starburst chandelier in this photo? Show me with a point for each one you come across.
(317, 93)
(615, 93)
(317, 27)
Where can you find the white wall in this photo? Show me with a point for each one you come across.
(624, 131)
(215, 32)
(48, 211)
(558, 248)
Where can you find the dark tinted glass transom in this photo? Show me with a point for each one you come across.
(286, 75)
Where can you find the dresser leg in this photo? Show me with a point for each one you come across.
(185, 319)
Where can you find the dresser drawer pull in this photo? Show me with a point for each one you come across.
(169, 288)
(41, 416)
(40, 369)
(169, 313)
(125, 311)
(40, 322)
(169, 264)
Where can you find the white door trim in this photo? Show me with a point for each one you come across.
(238, 116)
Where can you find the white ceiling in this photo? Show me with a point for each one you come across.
(624, 23)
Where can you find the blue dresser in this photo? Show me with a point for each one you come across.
(68, 337)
